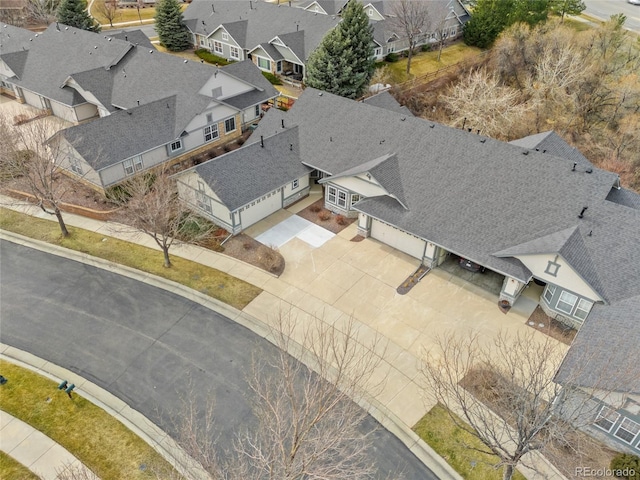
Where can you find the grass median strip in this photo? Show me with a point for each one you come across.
(93, 436)
(10, 469)
(452, 443)
(207, 280)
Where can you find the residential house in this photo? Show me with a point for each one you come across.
(446, 20)
(146, 108)
(532, 210)
(278, 38)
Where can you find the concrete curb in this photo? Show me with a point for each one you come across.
(138, 423)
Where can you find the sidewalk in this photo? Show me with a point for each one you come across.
(34, 450)
(308, 289)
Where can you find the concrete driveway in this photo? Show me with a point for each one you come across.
(341, 278)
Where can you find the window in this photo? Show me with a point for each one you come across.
(75, 165)
(342, 198)
(217, 47)
(209, 118)
(548, 292)
(370, 12)
(453, 31)
(331, 194)
(234, 52)
(264, 64)
(297, 68)
(257, 110)
(225, 36)
(203, 41)
(355, 198)
(377, 52)
(627, 430)
(202, 200)
(295, 184)
(230, 124)
(132, 165)
(279, 66)
(175, 146)
(583, 309)
(606, 418)
(211, 132)
(566, 302)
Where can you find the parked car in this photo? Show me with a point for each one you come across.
(471, 266)
(634, 2)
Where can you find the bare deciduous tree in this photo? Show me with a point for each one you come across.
(42, 11)
(108, 9)
(308, 424)
(481, 101)
(411, 18)
(506, 393)
(30, 160)
(150, 204)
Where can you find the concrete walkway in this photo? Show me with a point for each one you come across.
(35, 450)
(343, 279)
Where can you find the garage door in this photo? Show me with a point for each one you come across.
(399, 239)
(260, 209)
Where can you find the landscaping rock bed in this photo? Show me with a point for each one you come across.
(316, 213)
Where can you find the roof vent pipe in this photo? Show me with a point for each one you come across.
(213, 8)
(464, 121)
(283, 123)
(573, 169)
(261, 141)
(291, 146)
(250, 5)
(584, 209)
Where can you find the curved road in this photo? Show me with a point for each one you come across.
(145, 345)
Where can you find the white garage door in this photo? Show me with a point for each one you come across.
(261, 209)
(399, 239)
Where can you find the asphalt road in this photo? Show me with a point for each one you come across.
(147, 346)
(603, 9)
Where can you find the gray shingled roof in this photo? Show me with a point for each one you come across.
(271, 51)
(471, 194)
(13, 39)
(251, 27)
(387, 101)
(116, 137)
(246, 71)
(553, 144)
(136, 37)
(61, 51)
(623, 196)
(605, 354)
(241, 176)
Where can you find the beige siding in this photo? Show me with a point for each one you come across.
(85, 111)
(230, 86)
(116, 173)
(88, 173)
(566, 277)
(398, 239)
(360, 185)
(261, 208)
(187, 188)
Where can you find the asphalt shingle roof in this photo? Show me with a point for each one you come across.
(387, 101)
(234, 176)
(13, 39)
(116, 137)
(473, 195)
(61, 51)
(257, 22)
(553, 144)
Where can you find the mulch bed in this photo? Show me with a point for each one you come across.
(316, 213)
(412, 280)
(547, 325)
(249, 250)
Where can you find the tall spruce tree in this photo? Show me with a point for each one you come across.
(170, 26)
(343, 63)
(75, 14)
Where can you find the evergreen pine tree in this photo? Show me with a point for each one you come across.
(74, 13)
(170, 26)
(343, 62)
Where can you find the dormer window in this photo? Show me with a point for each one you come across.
(225, 36)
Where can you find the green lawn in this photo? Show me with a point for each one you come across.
(12, 470)
(97, 439)
(426, 62)
(209, 281)
(438, 430)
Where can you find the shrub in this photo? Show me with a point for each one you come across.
(315, 208)
(392, 58)
(227, 147)
(270, 259)
(272, 78)
(341, 220)
(240, 141)
(209, 57)
(247, 245)
(627, 464)
(324, 215)
(426, 47)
